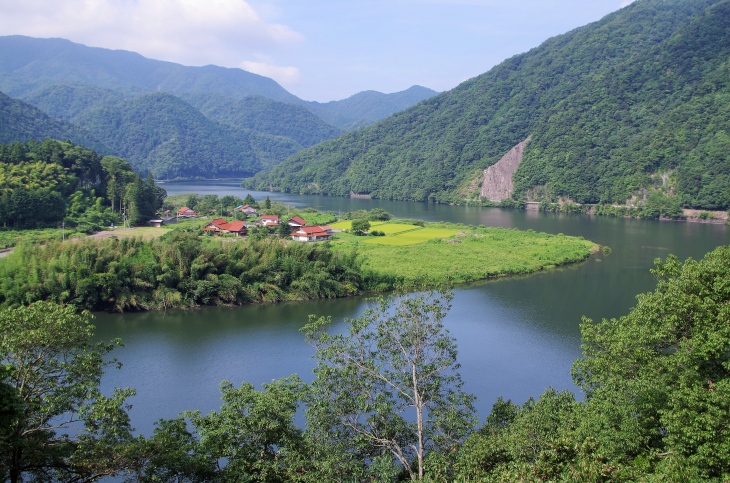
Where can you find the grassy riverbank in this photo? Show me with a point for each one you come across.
(450, 253)
(163, 268)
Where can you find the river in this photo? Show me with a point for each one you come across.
(516, 336)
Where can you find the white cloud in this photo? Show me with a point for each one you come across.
(284, 75)
(191, 32)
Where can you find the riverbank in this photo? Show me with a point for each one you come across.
(185, 270)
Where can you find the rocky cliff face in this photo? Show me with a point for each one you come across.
(497, 180)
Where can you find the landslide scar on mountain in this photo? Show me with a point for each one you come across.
(497, 184)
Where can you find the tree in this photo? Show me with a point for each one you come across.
(249, 200)
(56, 423)
(359, 227)
(391, 386)
(659, 377)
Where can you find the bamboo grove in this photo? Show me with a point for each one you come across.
(176, 270)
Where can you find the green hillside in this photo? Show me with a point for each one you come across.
(638, 100)
(19, 121)
(64, 101)
(365, 108)
(163, 134)
(27, 64)
(265, 116)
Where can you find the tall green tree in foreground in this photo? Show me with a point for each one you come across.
(56, 425)
(657, 395)
(390, 389)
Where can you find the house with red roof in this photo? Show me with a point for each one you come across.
(310, 234)
(238, 228)
(186, 212)
(216, 226)
(221, 226)
(296, 222)
(270, 220)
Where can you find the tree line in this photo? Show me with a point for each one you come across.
(47, 183)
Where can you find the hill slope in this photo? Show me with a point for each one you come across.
(609, 107)
(365, 108)
(163, 134)
(19, 121)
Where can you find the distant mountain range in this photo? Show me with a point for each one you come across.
(173, 120)
(635, 104)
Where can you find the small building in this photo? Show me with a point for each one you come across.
(238, 228)
(156, 223)
(216, 226)
(221, 226)
(245, 209)
(270, 220)
(186, 212)
(310, 234)
(296, 222)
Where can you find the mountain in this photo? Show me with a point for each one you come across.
(20, 121)
(637, 101)
(367, 107)
(163, 134)
(255, 120)
(66, 101)
(266, 116)
(27, 64)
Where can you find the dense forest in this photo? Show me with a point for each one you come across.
(21, 122)
(177, 270)
(387, 401)
(634, 103)
(53, 182)
(167, 136)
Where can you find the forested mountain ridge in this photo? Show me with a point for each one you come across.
(610, 108)
(20, 121)
(29, 64)
(367, 107)
(94, 87)
(265, 116)
(165, 135)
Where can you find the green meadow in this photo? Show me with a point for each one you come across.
(459, 253)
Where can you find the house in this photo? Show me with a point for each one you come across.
(156, 223)
(186, 212)
(270, 220)
(296, 222)
(216, 226)
(238, 228)
(245, 209)
(329, 229)
(219, 225)
(310, 233)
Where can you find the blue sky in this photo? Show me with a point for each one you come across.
(319, 50)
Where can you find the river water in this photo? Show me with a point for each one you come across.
(516, 336)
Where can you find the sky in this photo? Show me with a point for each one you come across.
(319, 50)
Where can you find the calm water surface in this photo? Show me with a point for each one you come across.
(516, 336)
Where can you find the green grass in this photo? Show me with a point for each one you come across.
(9, 238)
(412, 236)
(481, 254)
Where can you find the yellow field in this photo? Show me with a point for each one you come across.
(347, 225)
(410, 237)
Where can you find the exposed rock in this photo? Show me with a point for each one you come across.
(497, 184)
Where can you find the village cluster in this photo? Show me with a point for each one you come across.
(300, 230)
